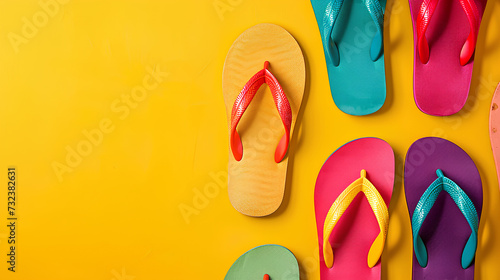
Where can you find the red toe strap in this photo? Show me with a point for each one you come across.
(243, 100)
(473, 16)
(423, 19)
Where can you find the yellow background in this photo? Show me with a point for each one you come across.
(116, 213)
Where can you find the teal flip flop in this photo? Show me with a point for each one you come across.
(272, 262)
(352, 35)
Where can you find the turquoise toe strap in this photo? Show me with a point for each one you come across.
(443, 183)
(377, 14)
(332, 13)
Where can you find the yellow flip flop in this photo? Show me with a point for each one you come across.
(261, 118)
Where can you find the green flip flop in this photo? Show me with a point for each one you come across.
(272, 262)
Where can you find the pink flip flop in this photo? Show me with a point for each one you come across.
(352, 227)
(445, 34)
(495, 128)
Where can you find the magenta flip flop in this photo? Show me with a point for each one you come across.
(444, 196)
(352, 194)
(444, 36)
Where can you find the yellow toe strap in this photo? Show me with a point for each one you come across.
(341, 204)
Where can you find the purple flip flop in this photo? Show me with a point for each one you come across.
(443, 187)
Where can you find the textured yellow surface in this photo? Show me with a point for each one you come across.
(113, 114)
